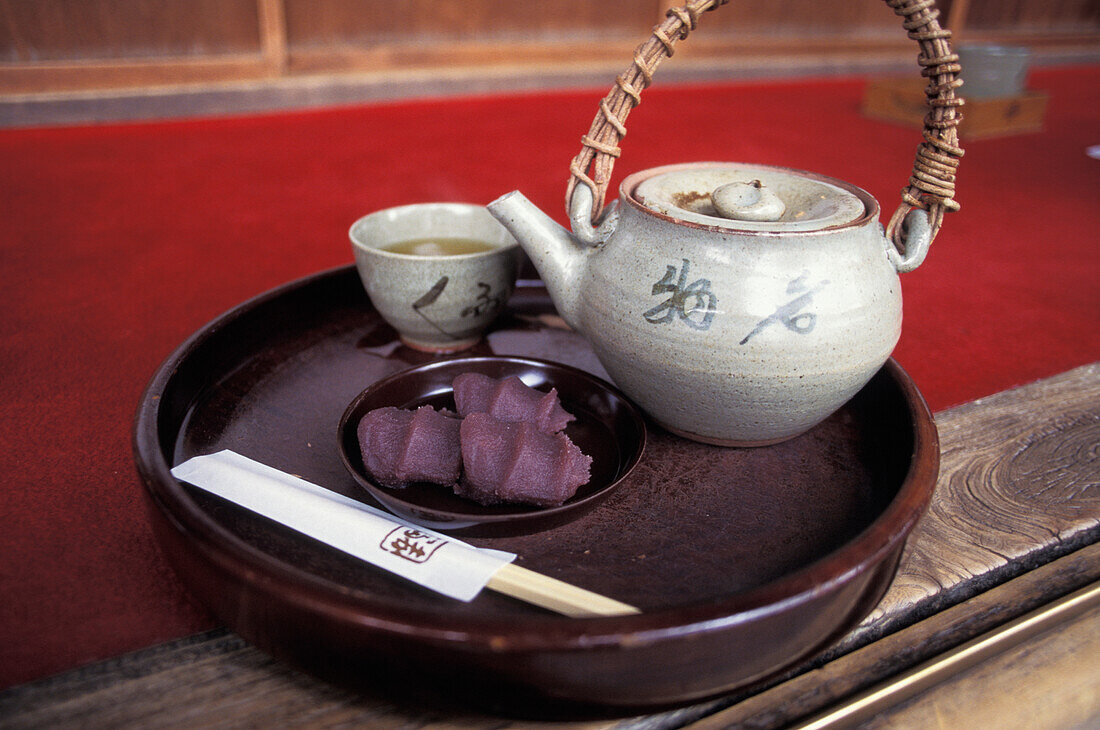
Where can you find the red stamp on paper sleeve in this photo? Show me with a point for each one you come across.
(411, 544)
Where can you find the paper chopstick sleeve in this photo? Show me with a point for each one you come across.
(431, 559)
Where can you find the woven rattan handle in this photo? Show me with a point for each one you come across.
(931, 186)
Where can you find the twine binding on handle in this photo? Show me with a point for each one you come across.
(931, 186)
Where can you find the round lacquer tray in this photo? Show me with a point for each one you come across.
(743, 561)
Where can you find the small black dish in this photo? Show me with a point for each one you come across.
(608, 428)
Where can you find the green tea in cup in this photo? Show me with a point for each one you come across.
(435, 246)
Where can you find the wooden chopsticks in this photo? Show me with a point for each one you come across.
(550, 593)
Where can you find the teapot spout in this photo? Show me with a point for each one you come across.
(557, 254)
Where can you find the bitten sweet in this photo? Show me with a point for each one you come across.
(518, 462)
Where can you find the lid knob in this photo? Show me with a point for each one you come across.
(747, 201)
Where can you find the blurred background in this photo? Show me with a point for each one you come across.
(65, 61)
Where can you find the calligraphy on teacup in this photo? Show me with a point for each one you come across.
(693, 304)
(790, 314)
(484, 302)
(412, 545)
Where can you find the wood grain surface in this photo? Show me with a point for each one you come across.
(1019, 486)
(1013, 526)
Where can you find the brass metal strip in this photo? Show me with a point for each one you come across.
(892, 692)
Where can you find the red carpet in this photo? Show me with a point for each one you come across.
(118, 241)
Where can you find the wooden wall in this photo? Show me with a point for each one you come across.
(67, 45)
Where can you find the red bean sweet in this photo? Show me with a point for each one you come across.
(518, 462)
(509, 399)
(400, 446)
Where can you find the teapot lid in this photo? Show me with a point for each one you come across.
(748, 197)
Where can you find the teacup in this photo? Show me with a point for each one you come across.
(438, 273)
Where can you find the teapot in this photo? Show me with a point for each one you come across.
(739, 304)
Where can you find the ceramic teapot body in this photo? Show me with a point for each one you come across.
(745, 332)
(727, 336)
